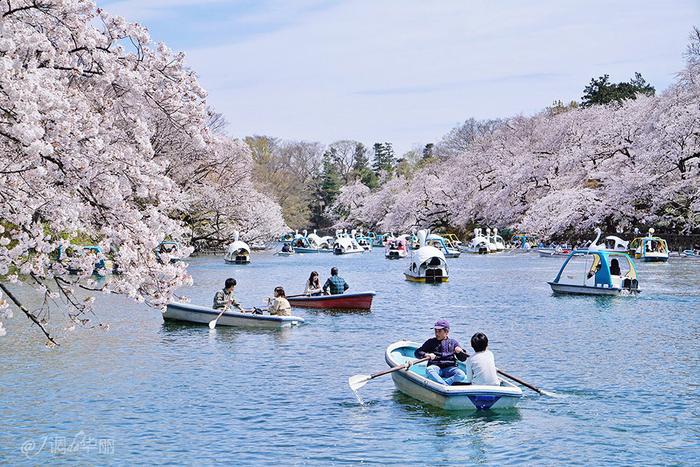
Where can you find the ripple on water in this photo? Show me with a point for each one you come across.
(171, 393)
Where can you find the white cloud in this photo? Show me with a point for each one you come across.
(407, 71)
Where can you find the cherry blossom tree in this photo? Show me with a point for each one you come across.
(95, 123)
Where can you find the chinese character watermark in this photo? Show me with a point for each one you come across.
(60, 445)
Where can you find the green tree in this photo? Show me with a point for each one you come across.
(384, 158)
(429, 151)
(331, 180)
(602, 91)
(361, 168)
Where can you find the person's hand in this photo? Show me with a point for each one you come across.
(432, 356)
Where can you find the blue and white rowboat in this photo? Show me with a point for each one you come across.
(415, 383)
(202, 315)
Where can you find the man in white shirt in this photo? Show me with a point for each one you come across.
(481, 367)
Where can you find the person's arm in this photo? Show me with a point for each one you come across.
(469, 373)
(326, 285)
(461, 354)
(274, 308)
(219, 301)
(422, 351)
(345, 286)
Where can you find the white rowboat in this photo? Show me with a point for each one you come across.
(203, 315)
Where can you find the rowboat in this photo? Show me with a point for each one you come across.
(415, 383)
(203, 315)
(347, 301)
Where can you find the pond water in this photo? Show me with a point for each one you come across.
(627, 369)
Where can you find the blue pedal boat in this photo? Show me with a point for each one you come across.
(415, 383)
(596, 272)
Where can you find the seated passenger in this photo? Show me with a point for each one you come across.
(442, 366)
(481, 367)
(280, 306)
(313, 285)
(335, 284)
(614, 267)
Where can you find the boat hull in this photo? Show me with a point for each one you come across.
(582, 290)
(353, 301)
(340, 251)
(654, 259)
(305, 250)
(203, 315)
(415, 384)
(238, 260)
(426, 280)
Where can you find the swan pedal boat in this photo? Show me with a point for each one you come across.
(346, 301)
(203, 315)
(415, 383)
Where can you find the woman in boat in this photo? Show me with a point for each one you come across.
(313, 285)
(481, 367)
(280, 306)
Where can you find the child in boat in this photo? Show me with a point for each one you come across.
(280, 306)
(443, 352)
(223, 299)
(313, 285)
(481, 367)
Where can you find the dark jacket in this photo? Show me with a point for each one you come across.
(444, 350)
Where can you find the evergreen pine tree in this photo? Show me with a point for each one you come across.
(331, 180)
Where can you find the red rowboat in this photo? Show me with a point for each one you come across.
(348, 301)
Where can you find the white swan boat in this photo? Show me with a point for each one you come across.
(427, 263)
(346, 244)
(415, 383)
(237, 252)
(203, 315)
(479, 244)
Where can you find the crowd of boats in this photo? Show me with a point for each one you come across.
(600, 267)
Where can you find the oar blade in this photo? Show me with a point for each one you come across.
(212, 323)
(357, 381)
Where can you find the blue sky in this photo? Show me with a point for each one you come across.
(407, 71)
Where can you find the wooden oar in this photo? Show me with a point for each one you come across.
(212, 323)
(525, 383)
(297, 295)
(357, 381)
(520, 381)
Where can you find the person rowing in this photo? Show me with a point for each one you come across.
(443, 352)
(224, 298)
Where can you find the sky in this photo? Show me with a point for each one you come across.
(408, 71)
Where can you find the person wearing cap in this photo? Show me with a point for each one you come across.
(443, 352)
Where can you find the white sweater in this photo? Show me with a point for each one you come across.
(481, 369)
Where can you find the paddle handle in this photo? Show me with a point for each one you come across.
(520, 381)
(399, 367)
